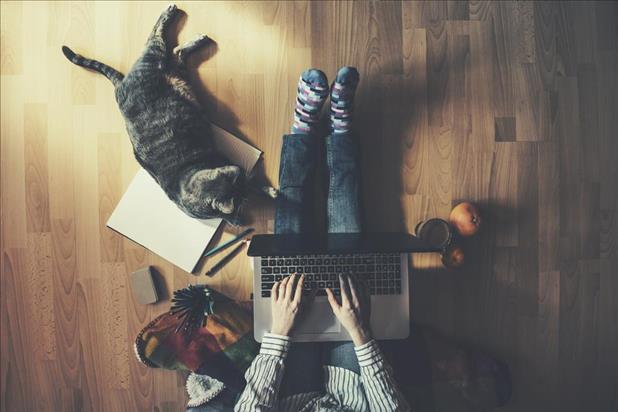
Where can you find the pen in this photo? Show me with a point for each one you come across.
(228, 243)
(226, 259)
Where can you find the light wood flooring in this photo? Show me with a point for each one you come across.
(512, 105)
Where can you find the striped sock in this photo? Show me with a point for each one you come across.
(342, 100)
(311, 95)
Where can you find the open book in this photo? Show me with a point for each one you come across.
(147, 216)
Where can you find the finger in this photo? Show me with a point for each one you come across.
(274, 291)
(289, 287)
(345, 292)
(299, 289)
(354, 294)
(332, 299)
(282, 287)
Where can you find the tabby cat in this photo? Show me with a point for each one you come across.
(170, 133)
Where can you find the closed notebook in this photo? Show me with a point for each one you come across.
(147, 216)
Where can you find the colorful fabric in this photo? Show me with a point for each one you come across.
(311, 94)
(223, 348)
(342, 100)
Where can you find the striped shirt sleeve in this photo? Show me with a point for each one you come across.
(264, 375)
(377, 378)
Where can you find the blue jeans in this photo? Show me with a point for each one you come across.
(294, 214)
(303, 367)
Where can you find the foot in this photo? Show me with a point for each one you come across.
(311, 95)
(342, 100)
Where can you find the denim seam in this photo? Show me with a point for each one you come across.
(329, 163)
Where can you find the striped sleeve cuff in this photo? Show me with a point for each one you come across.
(368, 354)
(275, 345)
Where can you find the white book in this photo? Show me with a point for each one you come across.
(147, 216)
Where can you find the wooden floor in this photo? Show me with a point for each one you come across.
(511, 105)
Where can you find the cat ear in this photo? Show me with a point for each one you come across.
(226, 207)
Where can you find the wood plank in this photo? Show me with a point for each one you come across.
(11, 35)
(13, 164)
(110, 192)
(35, 147)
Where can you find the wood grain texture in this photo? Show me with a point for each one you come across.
(512, 105)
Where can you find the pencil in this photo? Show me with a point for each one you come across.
(228, 243)
(226, 259)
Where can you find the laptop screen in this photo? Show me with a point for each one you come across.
(337, 243)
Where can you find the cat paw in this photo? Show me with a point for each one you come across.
(270, 192)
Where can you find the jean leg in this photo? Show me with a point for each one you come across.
(294, 212)
(344, 189)
(303, 370)
(341, 355)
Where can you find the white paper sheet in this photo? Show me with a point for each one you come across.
(147, 216)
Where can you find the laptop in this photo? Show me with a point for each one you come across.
(381, 259)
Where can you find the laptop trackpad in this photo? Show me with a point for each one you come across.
(318, 318)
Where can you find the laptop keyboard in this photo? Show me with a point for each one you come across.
(381, 272)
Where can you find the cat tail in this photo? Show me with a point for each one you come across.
(112, 74)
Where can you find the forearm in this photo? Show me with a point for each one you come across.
(377, 378)
(264, 375)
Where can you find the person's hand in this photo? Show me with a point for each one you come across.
(353, 311)
(286, 297)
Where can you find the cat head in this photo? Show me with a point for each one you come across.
(213, 193)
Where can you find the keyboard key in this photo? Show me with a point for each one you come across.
(287, 262)
(327, 261)
(329, 284)
(318, 261)
(311, 261)
(264, 262)
(303, 262)
(266, 293)
(267, 286)
(349, 261)
(293, 269)
(267, 271)
(268, 278)
(314, 285)
(309, 277)
(278, 278)
(341, 261)
(295, 262)
(284, 270)
(317, 277)
(337, 292)
(315, 269)
(321, 285)
(331, 269)
(276, 270)
(332, 276)
(322, 269)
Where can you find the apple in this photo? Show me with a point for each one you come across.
(453, 257)
(465, 218)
